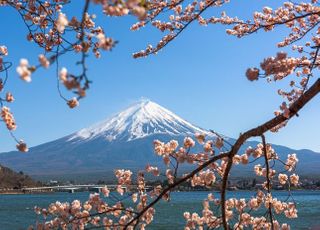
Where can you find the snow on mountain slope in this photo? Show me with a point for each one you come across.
(140, 120)
(123, 141)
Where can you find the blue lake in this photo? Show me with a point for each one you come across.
(16, 211)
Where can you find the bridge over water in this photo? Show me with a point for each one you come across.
(80, 187)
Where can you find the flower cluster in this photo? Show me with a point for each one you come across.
(8, 118)
(22, 146)
(73, 103)
(154, 170)
(124, 177)
(98, 211)
(205, 178)
(134, 7)
(291, 162)
(24, 70)
(44, 61)
(279, 66)
(3, 51)
(245, 208)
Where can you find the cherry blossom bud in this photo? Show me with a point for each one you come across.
(294, 179)
(24, 71)
(73, 103)
(188, 142)
(3, 50)
(200, 137)
(62, 22)
(9, 97)
(22, 146)
(282, 178)
(105, 191)
(252, 74)
(44, 61)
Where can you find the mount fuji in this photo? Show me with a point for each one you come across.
(141, 120)
(124, 140)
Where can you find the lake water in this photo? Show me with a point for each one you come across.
(16, 211)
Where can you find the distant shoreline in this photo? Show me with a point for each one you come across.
(21, 192)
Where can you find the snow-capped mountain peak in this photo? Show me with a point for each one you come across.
(122, 141)
(139, 120)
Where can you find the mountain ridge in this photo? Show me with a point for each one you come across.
(124, 140)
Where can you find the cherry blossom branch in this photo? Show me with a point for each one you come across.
(124, 176)
(175, 184)
(267, 177)
(312, 67)
(263, 26)
(221, 136)
(170, 37)
(258, 131)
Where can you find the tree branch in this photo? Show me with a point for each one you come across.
(267, 177)
(258, 131)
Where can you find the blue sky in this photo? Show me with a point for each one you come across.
(200, 77)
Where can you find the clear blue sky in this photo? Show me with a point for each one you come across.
(200, 77)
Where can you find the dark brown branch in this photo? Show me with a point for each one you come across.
(267, 177)
(224, 189)
(313, 65)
